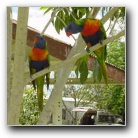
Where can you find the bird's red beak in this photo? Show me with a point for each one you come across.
(68, 33)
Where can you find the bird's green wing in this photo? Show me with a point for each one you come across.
(40, 85)
(32, 71)
(101, 54)
(103, 29)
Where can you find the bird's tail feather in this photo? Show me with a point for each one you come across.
(101, 56)
(40, 98)
(33, 82)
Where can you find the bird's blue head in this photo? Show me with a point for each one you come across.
(40, 42)
(73, 28)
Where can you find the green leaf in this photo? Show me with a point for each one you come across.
(82, 10)
(61, 16)
(97, 72)
(47, 9)
(82, 63)
(83, 69)
(44, 8)
(57, 23)
(87, 12)
(77, 71)
(83, 77)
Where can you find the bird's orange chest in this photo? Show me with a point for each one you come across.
(90, 27)
(38, 54)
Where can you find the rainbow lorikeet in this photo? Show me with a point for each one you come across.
(93, 32)
(38, 60)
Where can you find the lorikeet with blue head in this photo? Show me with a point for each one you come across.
(93, 32)
(39, 60)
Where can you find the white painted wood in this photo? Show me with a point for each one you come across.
(18, 67)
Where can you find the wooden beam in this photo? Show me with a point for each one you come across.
(89, 81)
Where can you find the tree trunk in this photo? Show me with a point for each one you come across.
(9, 48)
(18, 67)
(53, 106)
(95, 11)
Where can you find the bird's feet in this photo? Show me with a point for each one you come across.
(101, 42)
(87, 49)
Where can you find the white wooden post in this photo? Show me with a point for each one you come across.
(18, 65)
(9, 48)
(62, 76)
(57, 112)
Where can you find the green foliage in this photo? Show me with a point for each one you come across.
(108, 97)
(97, 72)
(29, 113)
(117, 100)
(116, 54)
(82, 68)
(120, 14)
(66, 15)
(82, 95)
(111, 98)
(46, 9)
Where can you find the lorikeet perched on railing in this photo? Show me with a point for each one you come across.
(38, 60)
(93, 32)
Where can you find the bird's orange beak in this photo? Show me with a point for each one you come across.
(68, 33)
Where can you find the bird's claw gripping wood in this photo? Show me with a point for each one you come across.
(101, 42)
(87, 49)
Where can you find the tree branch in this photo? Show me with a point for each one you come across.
(9, 51)
(109, 25)
(18, 65)
(113, 26)
(77, 56)
(109, 14)
(95, 12)
(53, 105)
